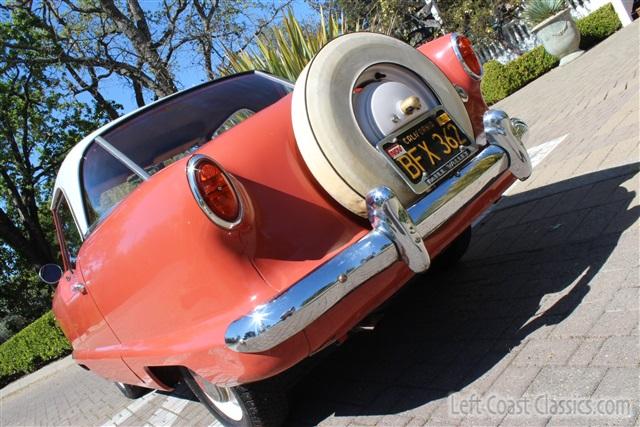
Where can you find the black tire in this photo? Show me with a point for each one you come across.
(449, 257)
(132, 391)
(263, 404)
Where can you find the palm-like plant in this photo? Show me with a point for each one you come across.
(536, 11)
(287, 48)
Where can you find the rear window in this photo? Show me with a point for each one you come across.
(168, 131)
(177, 127)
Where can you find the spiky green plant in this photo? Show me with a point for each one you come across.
(536, 11)
(285, 49)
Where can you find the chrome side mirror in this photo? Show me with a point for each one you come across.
(50, 273)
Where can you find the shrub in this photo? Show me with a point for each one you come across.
(597, 26)
(34, 346)
(494, 84)
(529, 67)
(500, 81)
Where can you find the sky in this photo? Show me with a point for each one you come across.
(188, 74)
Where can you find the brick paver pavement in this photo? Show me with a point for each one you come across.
(543, 307)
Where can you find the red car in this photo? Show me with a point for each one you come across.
(225, 233)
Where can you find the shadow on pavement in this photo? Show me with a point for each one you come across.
(445, 331)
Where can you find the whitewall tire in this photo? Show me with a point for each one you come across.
(338, 154)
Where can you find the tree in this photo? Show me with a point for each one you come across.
(480, 20)
(408, 20)
(94, 40)
(38, 124)
(55, 52)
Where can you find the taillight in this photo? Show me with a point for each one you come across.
(214, 191)
(466, 55)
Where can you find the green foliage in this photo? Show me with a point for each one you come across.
(10, 324)
(23, 297)
(500, 81)
(404, 19)
(494, 82)
(536, 11)
(597, 26)
(480, 20)
(287, 48)
(34, 346)
(39, 122)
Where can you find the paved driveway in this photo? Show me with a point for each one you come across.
(540, 319)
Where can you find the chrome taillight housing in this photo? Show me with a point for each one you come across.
(463, 49)
(215, 191)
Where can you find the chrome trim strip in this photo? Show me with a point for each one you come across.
(276, 79)
(122, 157)
(293, 310)
(393, 238)
(456, 51)
(192, 165)
(440, 205)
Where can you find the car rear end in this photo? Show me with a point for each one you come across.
(403, 114)
(235, 247)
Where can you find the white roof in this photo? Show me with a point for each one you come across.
(68, 178)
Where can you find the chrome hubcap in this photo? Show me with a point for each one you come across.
(222, 398)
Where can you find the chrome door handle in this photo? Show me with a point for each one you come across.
(79, 287)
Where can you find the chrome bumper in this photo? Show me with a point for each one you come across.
(398, 233)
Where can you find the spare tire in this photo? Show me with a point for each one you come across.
(348, 74)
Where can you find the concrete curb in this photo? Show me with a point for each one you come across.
(37, 376)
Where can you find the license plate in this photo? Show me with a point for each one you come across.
(428, 150)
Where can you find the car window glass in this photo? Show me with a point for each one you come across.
(68, 227)
(168, 131)
(237, 117)
(105, 182)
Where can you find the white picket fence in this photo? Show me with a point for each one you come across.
(518, 38)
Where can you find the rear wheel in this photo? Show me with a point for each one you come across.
(258, 404)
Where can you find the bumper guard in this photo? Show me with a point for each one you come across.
(397, 233)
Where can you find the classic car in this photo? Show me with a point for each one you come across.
(224, 234)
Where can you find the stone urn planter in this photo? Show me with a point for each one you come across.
(560, 36)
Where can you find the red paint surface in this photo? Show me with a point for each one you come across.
(164, 282)
(440, 51)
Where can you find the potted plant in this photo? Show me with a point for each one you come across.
(555, 28)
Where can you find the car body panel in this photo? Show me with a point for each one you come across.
(93, 341)
(345, 315)
(297, 225)
(167, 282)
(154, 300)
(440, 51)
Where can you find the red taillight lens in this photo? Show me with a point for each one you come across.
(468, 56)
(215, 190)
